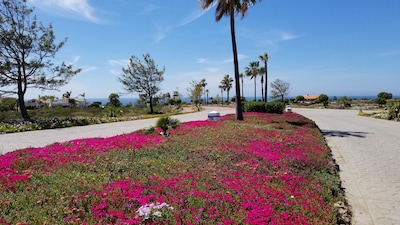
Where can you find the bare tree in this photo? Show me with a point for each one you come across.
(279, 88)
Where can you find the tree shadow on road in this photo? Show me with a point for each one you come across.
(341, 133)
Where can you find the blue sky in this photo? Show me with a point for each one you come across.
(335, 47)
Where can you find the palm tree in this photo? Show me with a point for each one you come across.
(252, 72)
(222, 92)
(241, 79)
(265, 58)
(227, 83)
(207, 91)
(230, 8)
(203, 85)
(261, 72)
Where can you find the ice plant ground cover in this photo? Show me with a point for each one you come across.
(268, 169)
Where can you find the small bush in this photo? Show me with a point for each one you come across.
(394, 111)
(166, 122)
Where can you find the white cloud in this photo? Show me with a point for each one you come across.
(118, 62)
(68, 8)
(194, 16)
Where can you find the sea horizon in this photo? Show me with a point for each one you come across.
(133, 101)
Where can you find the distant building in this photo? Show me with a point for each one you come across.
(310, 98)
(33, 103)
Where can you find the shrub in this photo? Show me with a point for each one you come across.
(254, 106)
(394, 111)
(166, 122)
(275, 107)
(269, 107)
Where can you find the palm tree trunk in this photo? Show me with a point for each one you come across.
(266, 82)
(239, 110)
(262, 88)
(255, 89)
(242, 88)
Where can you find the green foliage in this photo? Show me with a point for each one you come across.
(27, 50)
(380, 101)
(95, 105)
(266, 107)
(8, 104)
(324, 99)
(142, 77)
(299, 98)
(385, 95)
(113, 100)
(394, 111)
(167, 122)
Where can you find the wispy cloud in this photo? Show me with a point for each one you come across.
(68, 8)
(388, 53)
(194, 16)
(220, 61)
(162, 31)
(118, 62)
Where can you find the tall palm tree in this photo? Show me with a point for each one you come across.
(222, 92)
(261, 72)
(227, 83)
(241, 76)
(230, 8)
(265, 58)
(252, 72)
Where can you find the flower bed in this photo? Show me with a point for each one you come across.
(268, 169)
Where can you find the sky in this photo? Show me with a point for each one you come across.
(333, 47)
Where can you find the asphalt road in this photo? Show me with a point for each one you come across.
(368, 153)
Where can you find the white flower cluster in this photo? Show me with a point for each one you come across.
(152, 209)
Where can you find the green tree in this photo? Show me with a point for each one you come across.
(195, 91)
(113, 100)
(227, 84)
(265, 58)
(324, 99)
(27, 48)
(385, 95)
(252, 71)
(279, 88)
(142, 77)
(230, 8)
(299, 98)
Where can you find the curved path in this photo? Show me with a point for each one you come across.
(40, 138)
(368, 153)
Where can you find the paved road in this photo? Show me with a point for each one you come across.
(40, 138)
(368, 153)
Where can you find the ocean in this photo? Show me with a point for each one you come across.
(126, 101)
